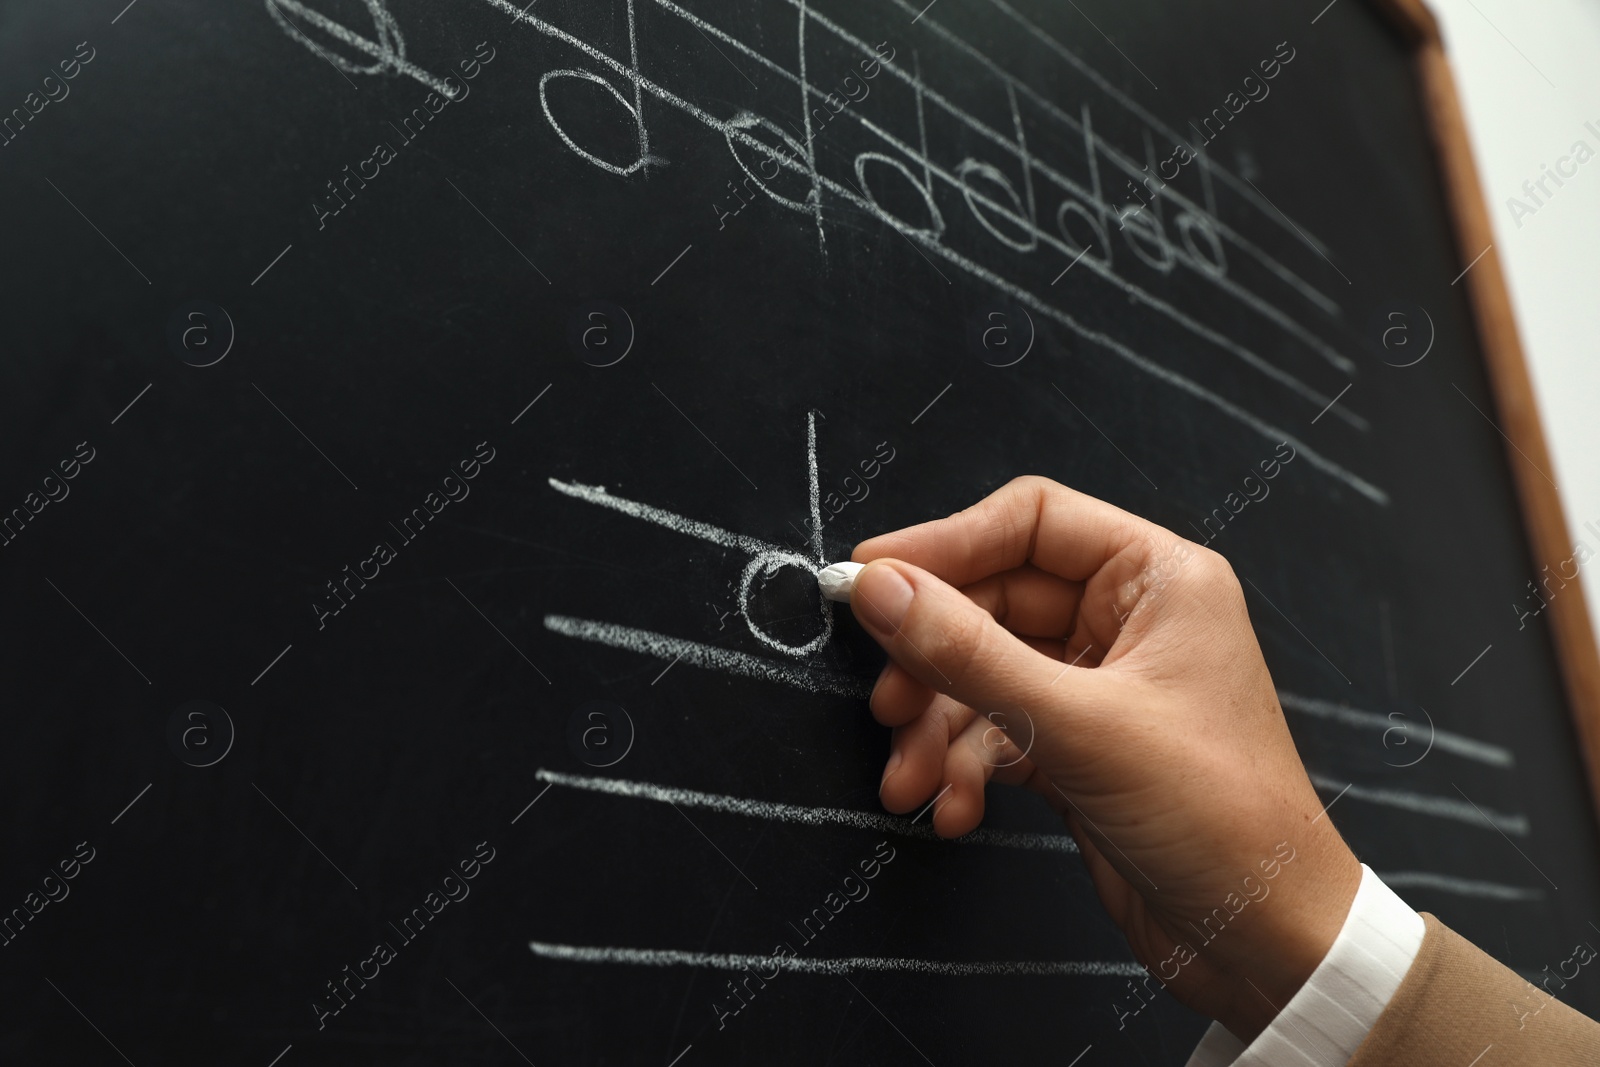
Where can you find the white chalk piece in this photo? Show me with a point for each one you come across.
(838, 579)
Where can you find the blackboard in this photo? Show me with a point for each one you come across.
(418, 421)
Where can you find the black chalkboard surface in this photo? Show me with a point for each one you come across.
(419, 420)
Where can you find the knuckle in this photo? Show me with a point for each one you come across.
(954, 716)
(998, 741)
(1031, 483)
(1214, 575)
(1214, 568)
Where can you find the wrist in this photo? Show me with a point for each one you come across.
(1287, 943)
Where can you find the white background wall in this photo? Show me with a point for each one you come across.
(1529, 76)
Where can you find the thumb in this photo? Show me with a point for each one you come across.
(949, 643)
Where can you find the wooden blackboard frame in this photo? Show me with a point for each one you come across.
(1506, 368)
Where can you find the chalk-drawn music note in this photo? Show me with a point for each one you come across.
(388, 51)
(765, 559)
(888, 162)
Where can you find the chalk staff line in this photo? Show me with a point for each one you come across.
(730, 961)
(596, 494)
(803, 814)
(713, 657)
(1466, 887)
(879, 823)
(1428, 804)
(1444, 740)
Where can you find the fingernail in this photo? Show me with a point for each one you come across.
(885, 597)
(889, 769)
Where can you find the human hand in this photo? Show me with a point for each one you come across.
(1121, 656)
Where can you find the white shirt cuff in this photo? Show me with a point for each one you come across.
(1326, 1021)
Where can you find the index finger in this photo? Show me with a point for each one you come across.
(1030, 519)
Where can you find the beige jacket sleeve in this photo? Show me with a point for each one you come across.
(1457, 1007)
